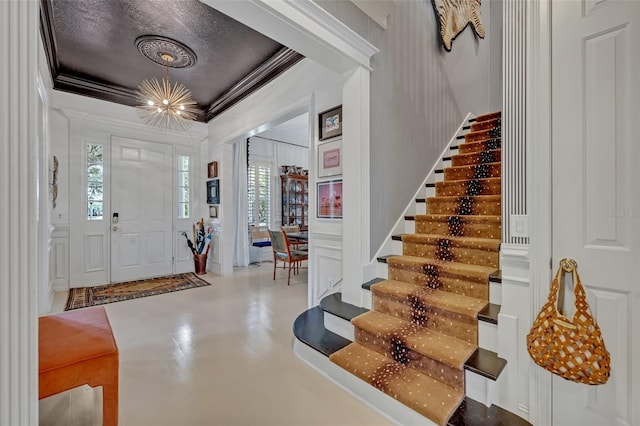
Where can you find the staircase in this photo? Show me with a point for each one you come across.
(419, 343)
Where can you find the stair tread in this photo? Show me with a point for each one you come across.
(471, 154)
(417, 391)
(385, 258)
(489, 313)
(457, 197)
(468, 219)
(489, 116)
(309, 329)
(459, 181)
(443, 300)
(368, 284)
(334, 305)
(489, 244)
(397, 237)
(453, 268)
(486, 363)
(425, 341)
(474, 413)
(469, 166)
(496, 277)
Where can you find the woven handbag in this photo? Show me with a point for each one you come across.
(572, 349)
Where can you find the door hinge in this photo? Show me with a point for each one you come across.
(173, 260)
(551, 263)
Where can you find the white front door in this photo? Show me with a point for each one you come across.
(141, 214)
(596, 213)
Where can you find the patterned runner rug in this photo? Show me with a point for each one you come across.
(109, 293)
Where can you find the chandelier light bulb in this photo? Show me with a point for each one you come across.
(159, 109)
(178, 112)
(150, 103)
(182, 107)
(165, 101)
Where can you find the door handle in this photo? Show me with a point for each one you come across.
(115, 228)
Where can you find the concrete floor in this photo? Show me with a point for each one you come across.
(214, 355)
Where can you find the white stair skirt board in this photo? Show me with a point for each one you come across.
(480, 388)
(340, 326)
(495, 293)
(488, 336)
(393, 410)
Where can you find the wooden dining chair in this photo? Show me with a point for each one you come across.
(294, 229)
(283, 251)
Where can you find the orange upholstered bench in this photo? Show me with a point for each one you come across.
(77, 348)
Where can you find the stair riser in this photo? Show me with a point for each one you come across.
(455, 207)
(486, 125)
(438, 370)
(478, 290)
(480, 171)
(480, 146)
(495, 293)
(456, 325)
(433, 269)
(462, 188)
(482, 157)
(482, 135)
(479, 230)
(339, 326)
(487, 117)
(453, 254)
(488, 336)
(409, 226)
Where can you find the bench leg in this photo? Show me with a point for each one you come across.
(110, 405)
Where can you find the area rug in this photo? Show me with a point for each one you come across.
(109, 293)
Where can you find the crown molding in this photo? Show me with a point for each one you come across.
(284, 59)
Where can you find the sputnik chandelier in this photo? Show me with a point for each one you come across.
(162, 104)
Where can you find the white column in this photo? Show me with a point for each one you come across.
(355, 184)
(19, 206)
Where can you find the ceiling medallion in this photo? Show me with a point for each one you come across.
(164, 105)
(153, 47)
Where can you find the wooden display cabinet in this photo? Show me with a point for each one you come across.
(295, 200)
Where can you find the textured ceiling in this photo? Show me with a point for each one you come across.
(91, 49)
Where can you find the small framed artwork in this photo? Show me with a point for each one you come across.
(213, 211)
(212, 170)
(329, 199)
(330, 159)
(213, 191)
(330, 123)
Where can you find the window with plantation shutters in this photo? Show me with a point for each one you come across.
(259, 194)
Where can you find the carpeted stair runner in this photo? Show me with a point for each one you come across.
(423, 326)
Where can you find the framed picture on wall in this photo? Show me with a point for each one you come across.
(329, 199)
(213, 191)
(330, 123)
(213, 211)
(212, 170)
(330, 159)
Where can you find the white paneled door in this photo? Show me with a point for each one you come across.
(596, 213)
(141, 209)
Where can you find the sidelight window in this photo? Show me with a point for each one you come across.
(95, 181)
(183, 187)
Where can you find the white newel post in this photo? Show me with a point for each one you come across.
(355, 189)
(19, 201)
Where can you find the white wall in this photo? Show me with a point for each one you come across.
(419, 95)
(306, 87)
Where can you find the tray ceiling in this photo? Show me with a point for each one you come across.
(91, 51)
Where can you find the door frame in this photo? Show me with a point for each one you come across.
(539, 161)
